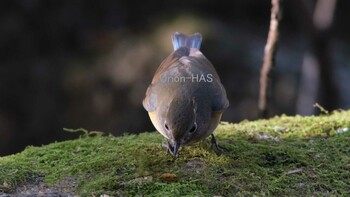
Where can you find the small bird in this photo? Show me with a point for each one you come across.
(186, 99)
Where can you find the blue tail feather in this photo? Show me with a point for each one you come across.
(190, 41)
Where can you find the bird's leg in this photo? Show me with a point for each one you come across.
(215, 142)
(168, 146)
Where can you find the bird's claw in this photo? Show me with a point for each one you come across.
(214, 142)
(169, 148)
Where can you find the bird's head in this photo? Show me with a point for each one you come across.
(181, 122)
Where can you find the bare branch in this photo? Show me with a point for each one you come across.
(269, 58)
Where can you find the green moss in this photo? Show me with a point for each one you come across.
(294, 156)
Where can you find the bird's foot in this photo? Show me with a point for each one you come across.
(169, 148)
(214, 142)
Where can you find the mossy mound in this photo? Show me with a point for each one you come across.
(282, 156)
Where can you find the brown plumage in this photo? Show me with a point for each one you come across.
(186, 99)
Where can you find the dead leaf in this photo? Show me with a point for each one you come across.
(168, 177)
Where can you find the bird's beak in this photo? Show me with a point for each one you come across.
(176, 148)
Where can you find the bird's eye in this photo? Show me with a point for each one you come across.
(194, 128)
(166, 126)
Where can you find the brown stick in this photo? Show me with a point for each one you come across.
(269, 58)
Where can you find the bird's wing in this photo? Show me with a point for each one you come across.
(150, 100)
(216, 89)
(219, 99)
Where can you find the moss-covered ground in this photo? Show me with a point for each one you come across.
(282, 156)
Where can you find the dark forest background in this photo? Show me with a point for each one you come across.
(71, 64)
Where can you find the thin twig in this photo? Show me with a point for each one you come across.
(269, 58)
